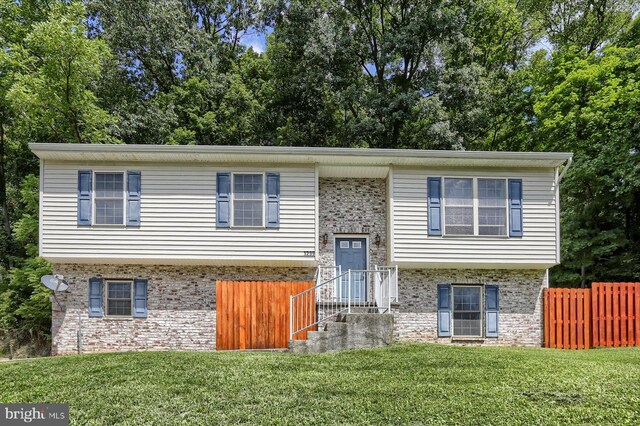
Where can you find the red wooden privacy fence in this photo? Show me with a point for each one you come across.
(608, 314)
(255, 314)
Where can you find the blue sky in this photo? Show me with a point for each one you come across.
(256, 39)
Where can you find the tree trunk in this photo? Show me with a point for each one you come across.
(6, 225)
(582, 277)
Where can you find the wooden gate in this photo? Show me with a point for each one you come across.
(567, 318)
(255, 314)
(616, 314)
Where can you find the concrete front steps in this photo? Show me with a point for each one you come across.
(349, 331)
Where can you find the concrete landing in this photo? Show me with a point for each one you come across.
(350, 331)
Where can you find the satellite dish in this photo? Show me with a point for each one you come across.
(54, 282)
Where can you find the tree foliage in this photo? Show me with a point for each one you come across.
(588, 103)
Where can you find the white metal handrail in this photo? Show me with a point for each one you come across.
(326, 273)
(373, 289)
(313, 307)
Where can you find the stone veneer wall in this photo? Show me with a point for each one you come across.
(521, 304)
(181, 307)
(353, 206)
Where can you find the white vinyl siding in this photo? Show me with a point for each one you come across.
(412, 247)
(178, 219)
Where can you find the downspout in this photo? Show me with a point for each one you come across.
(558, 179)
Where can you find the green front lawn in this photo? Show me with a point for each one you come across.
(397, 384)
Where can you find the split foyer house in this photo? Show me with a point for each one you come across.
(143, 233)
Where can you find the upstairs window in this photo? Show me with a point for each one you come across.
(475, 206)
(458, 202)
(248, 200)
(492, 207)
(109, 198)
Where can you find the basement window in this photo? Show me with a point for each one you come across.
(467, 311)
(119, 298)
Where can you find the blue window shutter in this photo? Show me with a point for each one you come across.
(492, 307)
(140, 298)
(444, 310)
(273, 200)
(434, 197)
(84, 197)
(223, 200)
(95, 297)
(134, 184)
(515, 207)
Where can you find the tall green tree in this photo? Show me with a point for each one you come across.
(25, 307)
(49, 70)
(589, 104)
(176, 76)
(588, 24)
(393, 73)
(53, 91)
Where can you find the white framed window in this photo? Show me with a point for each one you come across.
(492, 206)
(467, 311)
(248, 200)
(119, 295)
(458, 203)
(475, 206)
(109, 198)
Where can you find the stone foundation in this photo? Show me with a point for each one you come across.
(181, 307)
(520, 315)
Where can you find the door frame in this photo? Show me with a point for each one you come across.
(366, 241)
(352, 236)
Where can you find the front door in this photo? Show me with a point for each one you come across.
(351, 253)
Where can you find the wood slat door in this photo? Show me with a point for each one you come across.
(255, 314)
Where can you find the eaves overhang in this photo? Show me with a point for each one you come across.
(324, 157)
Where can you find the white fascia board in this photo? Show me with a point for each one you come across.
(299, 155)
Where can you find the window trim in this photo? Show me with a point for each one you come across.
(232, 200)
(94, 198)
(106, 296)
(453, 311)
(476, 206)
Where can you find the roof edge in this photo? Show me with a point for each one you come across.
(40, 149)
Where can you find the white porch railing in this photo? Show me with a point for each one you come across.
(373, 289)
(386, 287)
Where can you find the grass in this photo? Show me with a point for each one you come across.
(400, 384)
